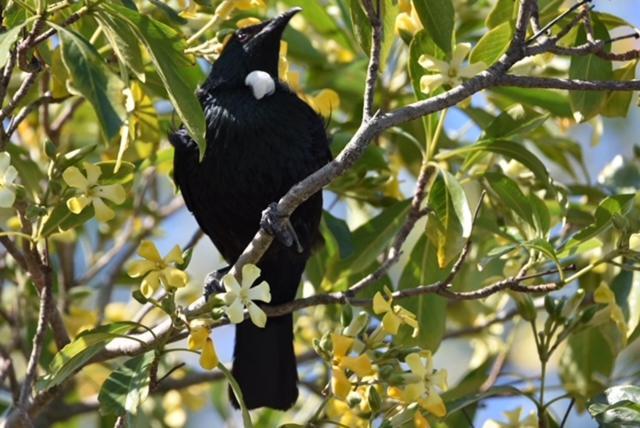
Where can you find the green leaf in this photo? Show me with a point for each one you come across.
(180, 78)
(362, 28)
(7, 39)
(610, 206)
(587, 104)
(124, 43)
(509, 149)
(503, 11)
(618, 408)
(430, 310)
(372, 237)
(517, 122)
(438, 20)
(545, 248)
(92, 79)
(541, 216)
(492, 45)
(618, 102)
(449, 224)
(109, 175)
(511, 195)
(626, 287)
(126, 387)
(586, 364)
(77, 353)
(553, 101)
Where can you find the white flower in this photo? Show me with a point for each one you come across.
(448, 73)
(91, 192)
(242, 296)
(7, 176)
(261, 83)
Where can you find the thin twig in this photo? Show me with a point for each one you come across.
(377, 36)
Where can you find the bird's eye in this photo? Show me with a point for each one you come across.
(243, 37)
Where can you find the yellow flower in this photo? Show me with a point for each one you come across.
(157, 270)
(361, 365)
(407, 22)
(420, 421)
(227, 7)
(240, 296)
(91, 192)
(199, 339)
(393, 315)
(8, 174)
(339, 411)
(422, 383)
(604, 295)
(336, 53)
(173, 404)
(247, 22)
(324, 102)
(514, 421)
(448, 73)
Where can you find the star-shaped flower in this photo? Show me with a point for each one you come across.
(361, 365)
(240, 296)
(448, 73)
(422, 382)
(394, 315)
(92, 192)
(514, 421)
(200, 339)
(157, 270)
(8, 174)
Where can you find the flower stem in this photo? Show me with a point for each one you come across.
(246, 417)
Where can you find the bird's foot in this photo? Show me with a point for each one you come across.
(213, 282)
(279, 225)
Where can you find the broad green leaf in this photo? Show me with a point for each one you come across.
(545, 248)
(586, 364)
(541, 216)
(449, 224)
(517, 122)
(503, 11)
(492, 45)
(511, 195)
(509, 149)
(362, 28)
(587, 104)
(127, 386)
(619, 407)
(370, 239)
(77, 353)
(430, 310)
(340, 233)
(180, 78)
(554, 102)
(7, 39)
(613, 205)
(438, 20)
(124, 43)
(626, 287)
(618, 102)
(92, 79)
(109, 175)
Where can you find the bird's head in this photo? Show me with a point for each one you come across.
(254, 48)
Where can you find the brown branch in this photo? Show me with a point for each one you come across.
(568, 84)
(7, 371)
(377, 35)
(19, 94)
(43, 100)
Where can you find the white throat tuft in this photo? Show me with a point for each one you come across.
(261, 83)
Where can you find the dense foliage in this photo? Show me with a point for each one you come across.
(476, 229)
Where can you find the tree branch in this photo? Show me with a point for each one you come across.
(377, 36)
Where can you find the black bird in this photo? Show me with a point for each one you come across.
(261, 140)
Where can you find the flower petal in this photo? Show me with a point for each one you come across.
(10, 174)
(93, 172)
(380, 304)
(148, 250)
(174, 256)
(113, 192)
(174, 277)
(460, 53)
(258, 317)
(360, 365)
(78, 203)
(472, 69)
(250, 273)
(235, 311)
(434, 404)
(74, 178)
(391, 323)
(137, 268)
(413, 391)
(414, 362)
(150, 284)
(439, 378)
(7, 197)
(431, 82)
(208, 358)
(231, 283)
(103, 212)
(260, 292)
(5, 160)
(341, 344)
(229, 297)
(340, 384)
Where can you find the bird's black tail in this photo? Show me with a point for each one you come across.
(264, 364)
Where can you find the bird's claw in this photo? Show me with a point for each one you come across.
(279, 225)
(213, 283)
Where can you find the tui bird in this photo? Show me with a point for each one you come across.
(261, 140)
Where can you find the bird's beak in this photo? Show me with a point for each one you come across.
(273, 29)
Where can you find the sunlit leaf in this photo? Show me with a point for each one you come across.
(127, 386)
